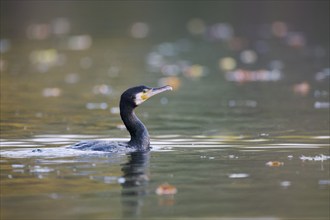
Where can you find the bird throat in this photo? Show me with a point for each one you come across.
(139, 134)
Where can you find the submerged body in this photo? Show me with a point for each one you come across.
(106, 146)
(140, 140)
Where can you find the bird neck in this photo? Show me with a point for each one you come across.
(139, 133)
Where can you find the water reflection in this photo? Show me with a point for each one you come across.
(136, 174)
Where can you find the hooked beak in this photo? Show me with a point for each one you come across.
(143, 96)
(155, 91)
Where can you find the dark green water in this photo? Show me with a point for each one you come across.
(212, 138)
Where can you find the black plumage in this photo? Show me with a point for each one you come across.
(140, 140)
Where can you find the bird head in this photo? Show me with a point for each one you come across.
(137, 95)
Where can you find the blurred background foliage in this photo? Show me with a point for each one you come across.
(167, 18)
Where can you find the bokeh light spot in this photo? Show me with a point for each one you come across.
(227, 63)
(195, 71)
(80, 42)
(140, 30)
(196, 26)
(279, 29)
(4, 45)
(222, 31)
(172, 81)
(61, 26)
(296, 40)
(248, 56)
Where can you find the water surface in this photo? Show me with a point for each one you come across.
(233, 149)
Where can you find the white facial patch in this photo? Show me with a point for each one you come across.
(140, 98)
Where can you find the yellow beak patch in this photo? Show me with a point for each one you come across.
(147, 93)
(142, 96)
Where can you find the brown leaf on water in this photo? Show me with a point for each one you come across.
(166, 189)
(274, 163)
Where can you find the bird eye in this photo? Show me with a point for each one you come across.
(145, 90)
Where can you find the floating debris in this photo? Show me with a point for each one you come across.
(166, 189)
(264, 135)
(231, 156)
(274, 163)
(238, 175)
(207, 157)
(320, 157)
(301, 88)
(51, 92)
(285, 184)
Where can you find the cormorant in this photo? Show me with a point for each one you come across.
(140, 140)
